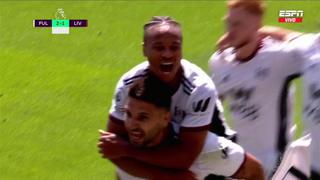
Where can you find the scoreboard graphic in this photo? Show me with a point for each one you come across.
(60, 25)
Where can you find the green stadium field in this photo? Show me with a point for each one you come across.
(55, 90)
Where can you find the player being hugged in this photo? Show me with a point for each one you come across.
(148, 125)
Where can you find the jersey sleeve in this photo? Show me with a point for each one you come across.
(118, 101)
(200, 107)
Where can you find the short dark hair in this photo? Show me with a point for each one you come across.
(153, 91)
(157, 20)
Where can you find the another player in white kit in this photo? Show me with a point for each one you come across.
(151, 99)
(312, 112)
(254, 77)
(193, 100)
(309, 46)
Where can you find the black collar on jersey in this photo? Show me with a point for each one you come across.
(253, 54)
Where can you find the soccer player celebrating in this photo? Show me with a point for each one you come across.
(308, 46)
(147, 121)
(254, 76)
(194, 99)
(312, 110)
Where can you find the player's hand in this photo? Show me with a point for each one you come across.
(111, 146)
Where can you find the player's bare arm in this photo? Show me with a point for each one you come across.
(133, 166)
(275, 32)
(148, 171)
(184, 153)
(117, 147)
(251, 169)
(116, 126)
(278, 33)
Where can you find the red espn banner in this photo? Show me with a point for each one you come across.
(290, 20)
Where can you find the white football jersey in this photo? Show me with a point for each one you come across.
(192, 104)
(310, 44)
(257, 92)
(219, 156)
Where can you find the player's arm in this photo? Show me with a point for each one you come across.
(275, 32)
(139, 169)
(116, 126)
(133, 166)
(177, 156)
(251, 169)
(278, 33)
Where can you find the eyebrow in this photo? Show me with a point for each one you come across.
(144, 113)
(160, 43)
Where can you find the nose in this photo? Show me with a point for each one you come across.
(132, 124)
(167, 54)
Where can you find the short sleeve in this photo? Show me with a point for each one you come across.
(200, 108)
(118, 101)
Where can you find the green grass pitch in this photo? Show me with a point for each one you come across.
(55, 90)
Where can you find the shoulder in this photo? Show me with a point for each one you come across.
(276, 50)
(136, 73)
(272, 45)
(196, 83)
(194, 76)
(308, 44)
(306, 39)
(220, 58)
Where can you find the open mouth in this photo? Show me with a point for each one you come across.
(136, 137)
(166, 67)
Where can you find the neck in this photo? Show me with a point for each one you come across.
(249, 50)
(175, 83)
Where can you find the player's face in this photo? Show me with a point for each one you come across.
(241, 26)
(162, 47)
(145, 122)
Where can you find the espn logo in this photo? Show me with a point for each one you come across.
(290, 16)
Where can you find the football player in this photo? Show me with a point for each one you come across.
(148, 125)
(194, 100)
(254, 75)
